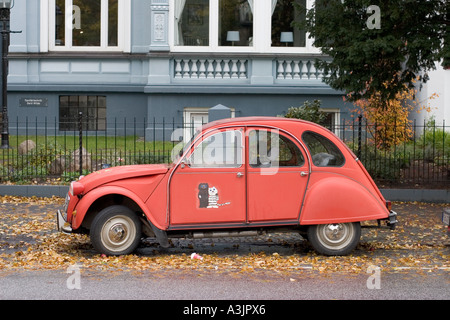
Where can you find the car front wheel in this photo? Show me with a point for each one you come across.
(334, 239)
(116, 230)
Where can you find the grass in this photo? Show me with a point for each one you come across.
(93, 143)
(39, 163)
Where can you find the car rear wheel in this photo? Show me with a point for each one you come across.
(116, 230)
(335, 239)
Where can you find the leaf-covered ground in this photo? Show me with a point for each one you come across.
(29, 240)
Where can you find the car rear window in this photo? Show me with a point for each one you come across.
(324, 153)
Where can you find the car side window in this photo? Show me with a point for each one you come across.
(220, 150)
(324, 153)
(268, 149)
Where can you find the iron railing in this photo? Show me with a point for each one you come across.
(401, 155)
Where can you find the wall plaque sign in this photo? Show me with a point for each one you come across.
(33, 102)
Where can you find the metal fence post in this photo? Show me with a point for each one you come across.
(80, 140)
(359, 135)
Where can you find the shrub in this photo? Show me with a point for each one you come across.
(309, 111)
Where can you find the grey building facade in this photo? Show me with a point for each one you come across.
(143, 61)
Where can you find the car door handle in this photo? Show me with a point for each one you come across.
(304, 173)
(240, 174)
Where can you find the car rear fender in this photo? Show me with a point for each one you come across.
(85, 205)
(339, 199)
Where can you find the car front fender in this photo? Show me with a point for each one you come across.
(87, 201)
(340, 199)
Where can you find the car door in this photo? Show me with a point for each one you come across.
(277, 176)
(208, 187)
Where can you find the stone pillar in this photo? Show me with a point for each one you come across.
(159, 25)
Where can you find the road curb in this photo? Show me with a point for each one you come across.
(31, 190)
(421, 195)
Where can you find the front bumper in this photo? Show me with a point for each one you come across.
(63, 225)
(446, 219)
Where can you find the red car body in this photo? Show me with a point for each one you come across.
(237, 176)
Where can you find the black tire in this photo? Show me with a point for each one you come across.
(337, 239)
(115, 231)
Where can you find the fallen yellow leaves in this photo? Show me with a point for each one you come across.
(31, 200)
(57, 252)
(30, 241)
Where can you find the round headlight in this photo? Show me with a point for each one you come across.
(76, 188)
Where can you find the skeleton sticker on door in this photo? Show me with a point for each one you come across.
(209, 197)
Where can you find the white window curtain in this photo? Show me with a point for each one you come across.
(179, 8)
(250, 3)
(274, 4)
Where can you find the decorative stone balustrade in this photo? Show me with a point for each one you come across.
(211, 69)
(298, 70)
(286, 70)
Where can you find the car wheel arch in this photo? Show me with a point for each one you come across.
(96, 200)
(345, 198)
(106, 201)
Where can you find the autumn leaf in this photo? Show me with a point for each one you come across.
(29, 240)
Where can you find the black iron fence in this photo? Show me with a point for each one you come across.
(413, 154)
(401, 155)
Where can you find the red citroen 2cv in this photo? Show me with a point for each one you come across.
(236, 177)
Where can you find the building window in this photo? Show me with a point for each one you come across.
(192, 22)
(88, 25)
(93, 109)
(240, 26)
(332, 120)
(285, 15)
(213, 23)
(236, 23)
(194, 119)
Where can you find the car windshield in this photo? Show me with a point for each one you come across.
(191, 141)
(183, 146)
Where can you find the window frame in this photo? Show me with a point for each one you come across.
(262, 32)
(188, 112)
(335, 115)
(48, 28)
(65, 126)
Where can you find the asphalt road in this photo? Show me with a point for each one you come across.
(187, 286)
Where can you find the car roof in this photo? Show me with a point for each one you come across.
(256, 120)
(276, 121)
